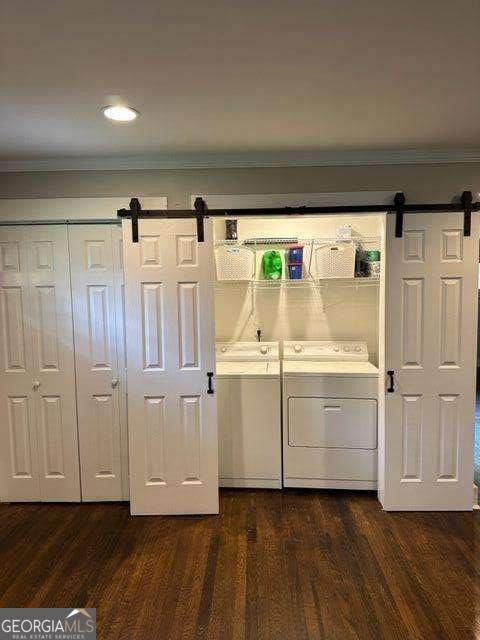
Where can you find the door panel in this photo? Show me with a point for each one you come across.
(170, 349)
(100, 381)
(14, 328)
(53, 369)
(431, 311)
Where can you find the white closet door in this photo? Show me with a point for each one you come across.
(19, 473)
(431, 311)
(100, 384)
(53, 362)
(170, 349)
(120, 339)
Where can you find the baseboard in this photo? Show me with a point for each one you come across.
(312, 483)
(249, 483)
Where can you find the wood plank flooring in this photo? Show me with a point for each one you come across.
(274, 565)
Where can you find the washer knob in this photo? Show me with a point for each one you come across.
(264, 349)
(298, 348)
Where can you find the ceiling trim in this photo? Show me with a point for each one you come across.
(239, 160)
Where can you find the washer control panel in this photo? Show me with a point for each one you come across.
(326, 350)
(246, 351)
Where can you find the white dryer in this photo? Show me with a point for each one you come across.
(249, 422)
(329, 415)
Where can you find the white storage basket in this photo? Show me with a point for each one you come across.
(333, 260)
(234, 263)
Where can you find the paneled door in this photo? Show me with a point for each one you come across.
(431, 329)
(97, 292)
(170, 352)
(38, 406)
(19, 469)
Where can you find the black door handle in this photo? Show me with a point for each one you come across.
(391, 384)
(210, 387)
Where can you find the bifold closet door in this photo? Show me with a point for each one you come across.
(170, 352)
(38, 423)
(19, 465)
(97, 282)
(431, 337)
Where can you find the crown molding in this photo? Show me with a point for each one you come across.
(244, 160)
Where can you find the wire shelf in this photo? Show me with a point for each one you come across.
(261, 243)
(310, 283)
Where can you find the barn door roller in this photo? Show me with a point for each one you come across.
(399, 207)
(467, 203)
(399, 204)
(200, 208)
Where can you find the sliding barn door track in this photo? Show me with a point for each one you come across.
(398, 207)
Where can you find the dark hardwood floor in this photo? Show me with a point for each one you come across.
(274, 565)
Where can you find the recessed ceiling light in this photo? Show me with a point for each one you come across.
(119, 113)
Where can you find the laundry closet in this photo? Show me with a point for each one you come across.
(310, 351)
(297, 350)
(239, 379)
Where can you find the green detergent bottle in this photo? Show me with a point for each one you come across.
(272, 265)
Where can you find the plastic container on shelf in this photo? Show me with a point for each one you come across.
(295, 271)
(334, 260)
(295, 254)
(371, 263)
(234, 263)
(372, 268)
(371, 255)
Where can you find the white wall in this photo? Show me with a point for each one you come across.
(421, 182)
(36, 209)
(283, 313)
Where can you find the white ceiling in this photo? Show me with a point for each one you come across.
(257, 78)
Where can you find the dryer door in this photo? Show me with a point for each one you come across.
(345, 423)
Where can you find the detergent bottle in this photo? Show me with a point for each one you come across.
(272, 265)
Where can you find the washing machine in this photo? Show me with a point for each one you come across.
(329, 415)
(249, 414)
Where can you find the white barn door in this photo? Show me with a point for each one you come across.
(170, 352)
(431, 329)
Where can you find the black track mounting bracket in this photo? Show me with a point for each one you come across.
(135, 208)
(466, 200)
(399, 204)
(200, 209)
